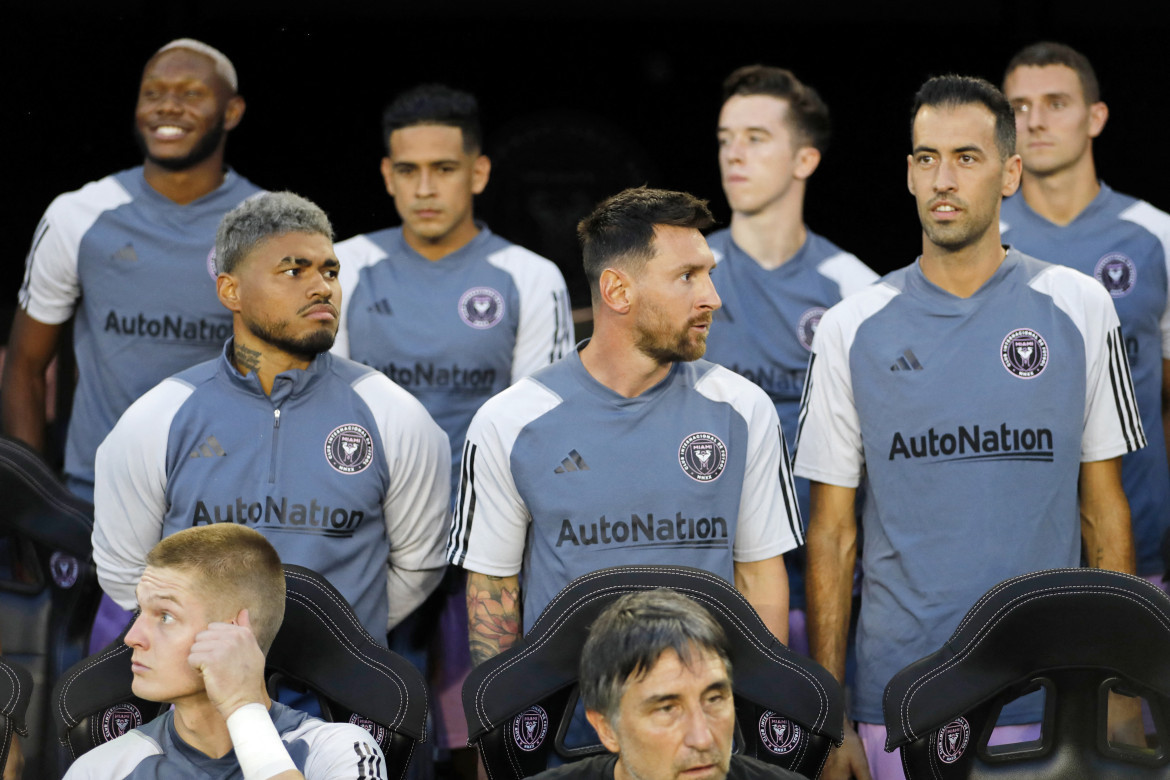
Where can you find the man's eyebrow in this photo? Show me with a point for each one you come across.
(304, 262)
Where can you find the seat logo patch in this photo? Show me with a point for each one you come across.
(119, 719)
(529, 728)
(779, 734)
(952, 740)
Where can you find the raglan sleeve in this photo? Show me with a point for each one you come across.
(353, 254)
(1113, 425)
(545, 331)
(769, 517)
(828, 439)
(419, 493)
(490, 521)
(51, 284)
(343, 751)
(130, 487)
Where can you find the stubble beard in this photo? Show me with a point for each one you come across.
(205, 148)
(304, 347)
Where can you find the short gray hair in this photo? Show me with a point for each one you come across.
(630, 635)
(262, 217)
(223, 66)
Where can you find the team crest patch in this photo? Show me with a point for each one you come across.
(702, 456)
(530, 727)
(377, 730)
(481, 307)
(349, 448)
(807, 327)
(1117, 273)
(779, 734)
(1024, 353)
(119, 719)
(65, 569)
(952, 740)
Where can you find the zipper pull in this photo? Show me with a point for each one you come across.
(276, 414)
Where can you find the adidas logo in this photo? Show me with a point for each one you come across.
(381, 306)
(907, 362)
(126, 254)
(209, 449)
(572, 463)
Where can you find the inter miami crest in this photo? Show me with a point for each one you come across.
(377, 730)
(952, 740)
(530, 727)
(119, 719)
(702, 456)
(807, 327)
(481, 307)
(349, 448)
(1024, 353)
(779, 734)
(65, 569)
(1117, 273)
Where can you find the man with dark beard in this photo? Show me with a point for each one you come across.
(342, 470)
(630, 450)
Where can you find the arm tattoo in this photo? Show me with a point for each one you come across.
(246, 358)
(493, 614)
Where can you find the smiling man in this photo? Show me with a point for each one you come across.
(126, 256)
(776, 276)
(631, 450)
(1064, 214)
(211, 601)
(656, 682)
(981, 392)
(340, 468)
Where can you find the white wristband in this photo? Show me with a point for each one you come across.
(258, 747)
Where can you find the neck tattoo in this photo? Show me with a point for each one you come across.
(246, 358)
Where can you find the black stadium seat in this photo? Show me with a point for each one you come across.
(16, 690)
(789, 710)
(49, 592)
(1075, 633)
(321, 647)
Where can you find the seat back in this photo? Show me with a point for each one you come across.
(1075, 633)
(789, 710)
(321, 647)
(16, 690)
(48, 586)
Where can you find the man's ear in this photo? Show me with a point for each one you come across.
(602, 726)
(615, 291)
(233, 112)
(807, 160)
(227, 288)
(481, 171)
(387, 170)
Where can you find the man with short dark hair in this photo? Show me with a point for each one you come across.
(982, 392)
(776, 276)
(127, 258)
(656, 682)
(1064, 214)
(343, 470)
(211, 601)
(631, 448)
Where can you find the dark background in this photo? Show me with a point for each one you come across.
(578, 99)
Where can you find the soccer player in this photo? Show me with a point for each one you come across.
(339, 467)
(630, 449)
(447, 309)
(1064, 214)
(776, 277)
(211, 601)
(982, 392)
(656, 682)
(127, 257)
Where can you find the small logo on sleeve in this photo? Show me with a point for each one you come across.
(807, 327)
(702, 456)
(1117, 273)
(779, 734)
(349, 448)
(529, 728)
(481, 307)
(1024, 353)
(952, 740)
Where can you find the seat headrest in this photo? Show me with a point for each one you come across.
(545, 660)
(1044, 621)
